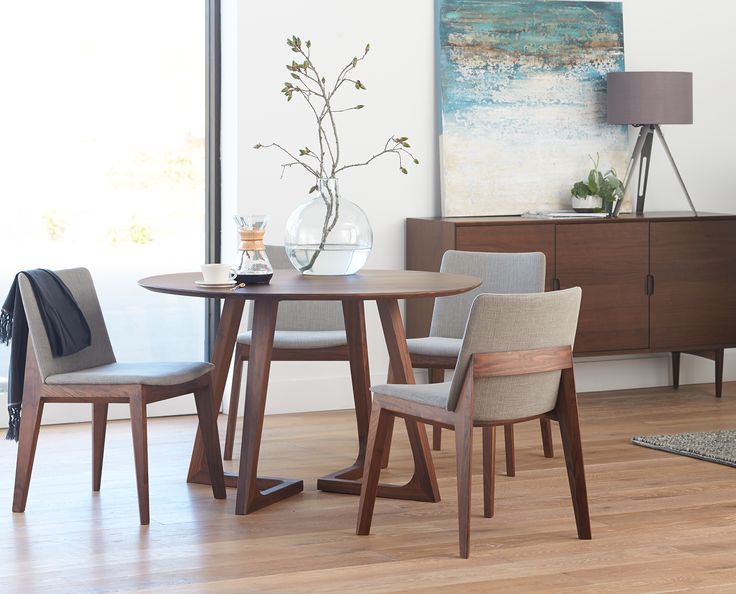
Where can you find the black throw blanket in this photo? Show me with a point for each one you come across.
(66, 328)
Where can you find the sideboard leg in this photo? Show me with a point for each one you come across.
(715, 355)
(675, 370)
(719, 372)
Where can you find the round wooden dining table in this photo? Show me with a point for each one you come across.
(386, 288)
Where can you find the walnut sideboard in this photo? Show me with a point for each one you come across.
(660, 282)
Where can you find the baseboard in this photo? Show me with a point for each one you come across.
(332, 390)
(56, 414)
(593, 374)
(596, 374)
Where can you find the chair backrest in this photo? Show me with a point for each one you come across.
(301, 315)
(502, 323)
(100, 352)
(500, 273)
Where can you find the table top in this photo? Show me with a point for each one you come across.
(292, 285)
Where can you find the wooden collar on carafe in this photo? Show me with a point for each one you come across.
(251, 240)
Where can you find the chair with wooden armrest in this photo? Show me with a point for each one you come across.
(305, 331)
(515, 365)
(94, 376)
(501, 274)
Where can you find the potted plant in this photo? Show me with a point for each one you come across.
(599, 192)
(328, 234)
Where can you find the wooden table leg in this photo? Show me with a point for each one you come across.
(354, 314)
(423, 484)
(227, 334)
(254, 492)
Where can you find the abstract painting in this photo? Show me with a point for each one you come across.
(522, 88)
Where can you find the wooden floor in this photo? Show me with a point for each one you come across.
(661, 523)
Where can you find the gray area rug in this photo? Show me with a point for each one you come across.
(712, 446)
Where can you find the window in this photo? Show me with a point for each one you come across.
(103, 123)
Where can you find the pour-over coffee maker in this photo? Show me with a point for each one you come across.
(252, 266)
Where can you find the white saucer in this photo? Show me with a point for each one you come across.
(226, 285)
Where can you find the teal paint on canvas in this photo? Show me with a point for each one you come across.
(522, 87)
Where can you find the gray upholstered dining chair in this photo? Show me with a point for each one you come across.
(515, 364)
(94, 376)
(500, 273)
(305, 331)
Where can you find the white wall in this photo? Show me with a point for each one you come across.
(399, 74)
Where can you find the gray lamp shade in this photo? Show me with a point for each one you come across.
(650, 98)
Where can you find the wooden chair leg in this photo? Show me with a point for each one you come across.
(30, 422)
(436, 437)
(380, 422)
(389, 438)
(489, 470)
(99, 427)
(464, 458)
(567, 414)
(390, 430)
(676, 370)
(719, 372)
(436, 376)
(138, 423)
(232, 411)
(210, 440)
(508, 436)
(546, 426)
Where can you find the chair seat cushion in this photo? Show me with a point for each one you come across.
(435, 346)
(431, 394)
(302, 339)
(149, 374)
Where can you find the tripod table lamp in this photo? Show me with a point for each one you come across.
(647, 100)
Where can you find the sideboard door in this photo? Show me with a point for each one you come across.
(694, 268)
(610, 261)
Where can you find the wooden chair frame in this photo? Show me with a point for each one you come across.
(36, 393)
(436, 367)
(482, 365)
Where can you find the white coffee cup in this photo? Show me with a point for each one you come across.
(217, 274)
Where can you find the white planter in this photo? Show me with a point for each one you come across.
(587, 204)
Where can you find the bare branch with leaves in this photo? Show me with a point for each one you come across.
(307, 82)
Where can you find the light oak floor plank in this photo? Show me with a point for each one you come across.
(661, 523)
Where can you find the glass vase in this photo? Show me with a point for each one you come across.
(328, 235)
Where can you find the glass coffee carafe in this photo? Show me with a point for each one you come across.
(252, 266)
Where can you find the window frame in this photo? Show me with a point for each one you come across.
(213, 174)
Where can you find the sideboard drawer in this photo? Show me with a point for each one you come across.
(510, 238)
